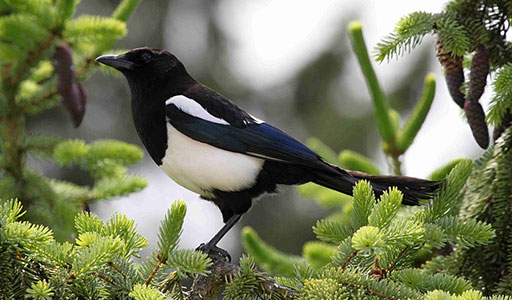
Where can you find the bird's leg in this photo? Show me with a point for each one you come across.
(211, 246)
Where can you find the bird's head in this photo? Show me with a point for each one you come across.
(148, 67)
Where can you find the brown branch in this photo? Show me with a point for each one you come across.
(116, 268)
(46, 96)
(160, 262)
(394, 263)
(272, 287)
(105, 278)
(32, 58)
(349, 259)
(208, 286)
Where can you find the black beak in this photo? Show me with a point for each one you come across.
(116, 62)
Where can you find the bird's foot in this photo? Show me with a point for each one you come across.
(213, 250)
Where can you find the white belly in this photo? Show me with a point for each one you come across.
(202, 168)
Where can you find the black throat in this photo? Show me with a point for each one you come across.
(151, 125)
(149, 91)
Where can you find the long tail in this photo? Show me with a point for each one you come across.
(413, 189)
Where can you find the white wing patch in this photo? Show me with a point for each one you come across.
(193, 108)
(256, 120)
(202, 168)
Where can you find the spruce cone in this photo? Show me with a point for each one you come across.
(454, 80)
(454, 73)
(479, 72)
(476, 118)
(73, 95)
(449, 62)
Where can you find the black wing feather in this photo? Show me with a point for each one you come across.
(260, 140)
(219, 106)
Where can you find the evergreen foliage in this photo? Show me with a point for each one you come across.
(376, 253)
(473, 31)
(487, 199)
(34, 77)
(455, 246)
(396, 140)
(98, 264)
(460, 238)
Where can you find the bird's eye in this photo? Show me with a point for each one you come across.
(145, 56)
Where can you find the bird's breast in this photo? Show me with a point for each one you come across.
(203, 168)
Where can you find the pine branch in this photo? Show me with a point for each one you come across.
(33, 57)
(160, 262)
(206, 287)
(408, 34)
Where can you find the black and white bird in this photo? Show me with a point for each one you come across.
(209, 145)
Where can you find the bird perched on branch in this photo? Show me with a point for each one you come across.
(209, 145)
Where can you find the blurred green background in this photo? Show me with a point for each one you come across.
(287, 62)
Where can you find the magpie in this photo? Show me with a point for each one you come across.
(209, 145)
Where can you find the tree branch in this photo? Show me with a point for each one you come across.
(208, 286)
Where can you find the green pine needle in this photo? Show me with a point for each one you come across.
(71, 152)
(40, 290)
(364, 200)
(467, 233)
(21, 30)
(368, 238)
(501, 102)
(447, 201)
(95, 252)
(452, 36)
(331, 231)
(144, 292)
(188, 262)
(417, 279)
(269, 259)
(125, 9)
(386, 209)
(441, 172)
(171, 228)
(408, 34)
(10, 211)
(100, 29)
(318, 254)
(117, 151)
(65, 9)
(120, 226)
(41, 10)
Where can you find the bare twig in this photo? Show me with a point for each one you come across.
(105, 278)
(160, 262)
(116, 268)
(32, 58)
(349, 259)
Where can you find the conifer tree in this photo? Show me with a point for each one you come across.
(45, 55)
(454, 246)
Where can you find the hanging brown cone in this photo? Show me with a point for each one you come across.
(476, 119)
(454, 73)
(73, 95)
(454, 80)
(479, 72)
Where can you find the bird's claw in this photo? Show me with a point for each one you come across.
(212, 250)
